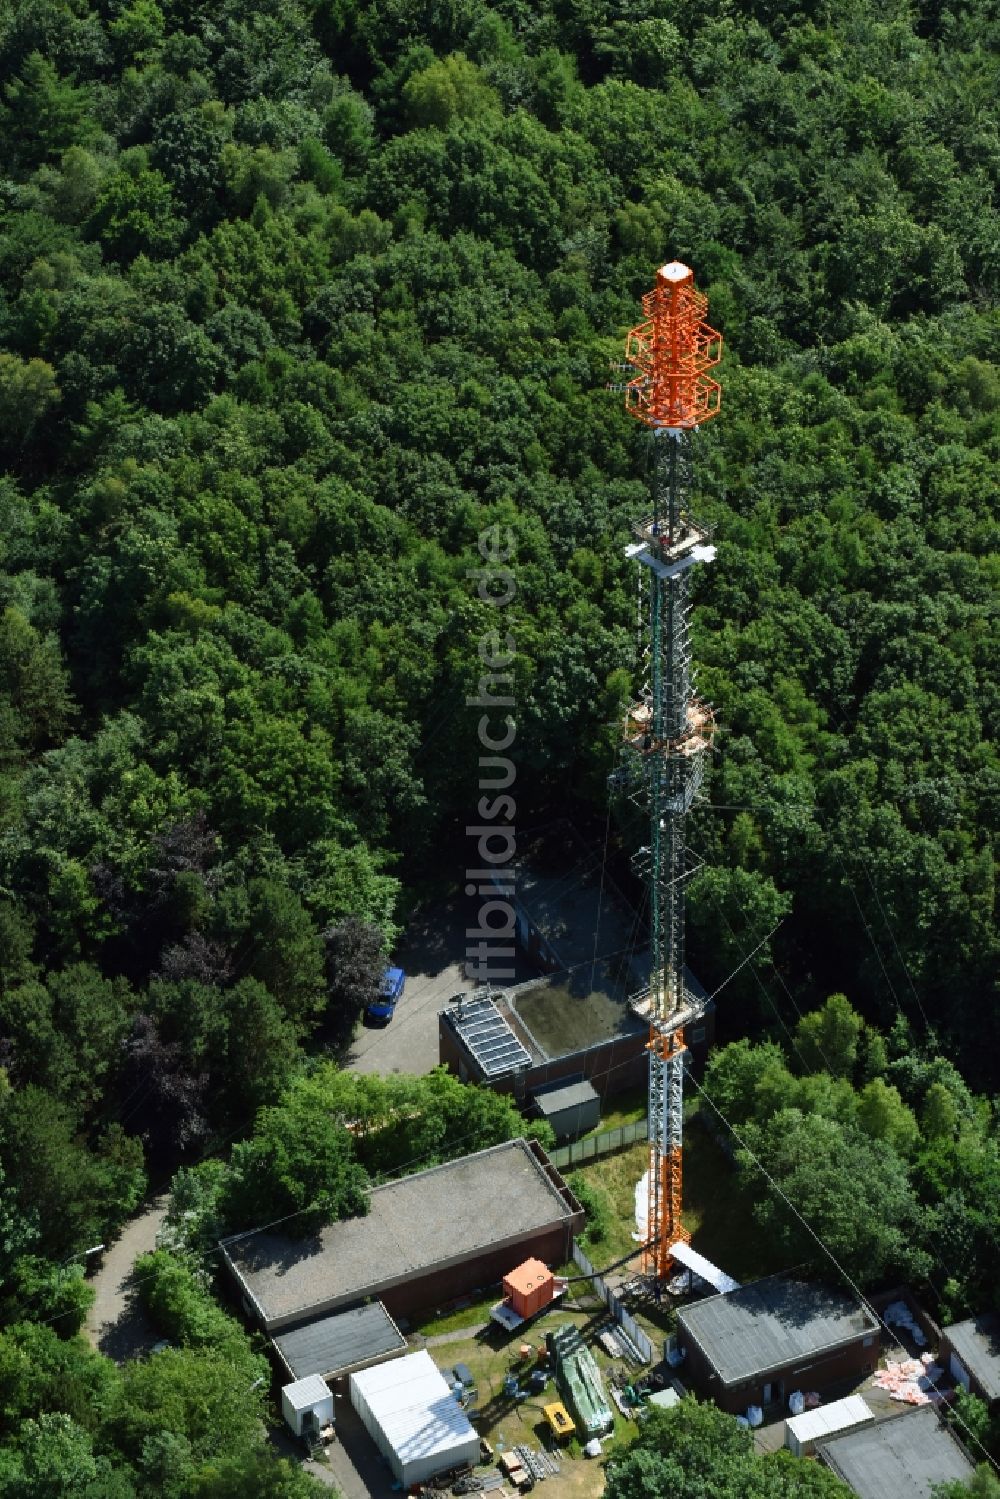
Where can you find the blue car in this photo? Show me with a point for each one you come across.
(391, 992)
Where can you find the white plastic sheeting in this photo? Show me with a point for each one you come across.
(681, 1252)
(641, 1208)
(802, 1432)
(898, 1314)
(413, 1418)
(692, 1260)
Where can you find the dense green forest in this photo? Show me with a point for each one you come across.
(296, 300)
(695, 1450)
(889, 1158)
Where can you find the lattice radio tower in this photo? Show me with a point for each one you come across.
(668, 731)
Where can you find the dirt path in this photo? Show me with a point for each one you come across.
(438, 1339)
(116, 1324)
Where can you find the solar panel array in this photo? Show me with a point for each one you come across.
(488, 1037)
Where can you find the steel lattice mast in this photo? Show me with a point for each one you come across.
(668, 730)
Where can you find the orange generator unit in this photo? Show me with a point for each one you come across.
(529, 1288)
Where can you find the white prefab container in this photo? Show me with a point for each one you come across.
(305, 1395)
(413, 1418)
(803, 1432)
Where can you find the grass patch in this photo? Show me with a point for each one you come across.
(478, 1310)
(450, 1320)
(718, 1212)
(629, 1107)
(492, 1356)
(612, 1180)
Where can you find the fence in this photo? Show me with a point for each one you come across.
(594, 1146)
(624, 1318)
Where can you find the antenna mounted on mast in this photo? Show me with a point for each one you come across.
(668, 730)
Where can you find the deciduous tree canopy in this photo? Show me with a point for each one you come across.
(298, 300)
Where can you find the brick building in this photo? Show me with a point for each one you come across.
(487, 1040)
(426, 1239)
(756, 1345)
(904, 1456)
(575, 1022)
(970, 1351)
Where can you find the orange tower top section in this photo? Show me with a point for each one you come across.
(670, 354)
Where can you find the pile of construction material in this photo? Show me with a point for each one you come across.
(538, 1463)
(579, 1382)
(524, 1467)
(617, 1344)
(911, 1380)
(478, 1483)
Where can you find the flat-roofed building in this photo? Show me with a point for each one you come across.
(426, 1238)
(902, 1457)
(970, 1351)
(577, 1020)
(413, 1418)
(755, 1345)
(341, 1343)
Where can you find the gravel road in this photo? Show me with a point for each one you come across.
(116, 1323)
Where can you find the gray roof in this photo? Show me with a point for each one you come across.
(575, 908)
(771, 1323)
(340, 1343)
(487, 1035)
(902, 1457)
(426, 1221)
(566, 1096)
(977, 1343)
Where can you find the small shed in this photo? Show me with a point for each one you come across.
(664, 1399)
(529, 1288)
(413, 1418)
(306, 1402)
(572, 1108)
(970, 1351)
(826, 1421)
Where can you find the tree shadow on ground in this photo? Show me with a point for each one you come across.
(131, 1333)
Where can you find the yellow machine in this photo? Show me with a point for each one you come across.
(559, 1419)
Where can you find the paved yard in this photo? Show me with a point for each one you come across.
(357, 1467)
(432, 953)
(771, 1437)
(351, 1464)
